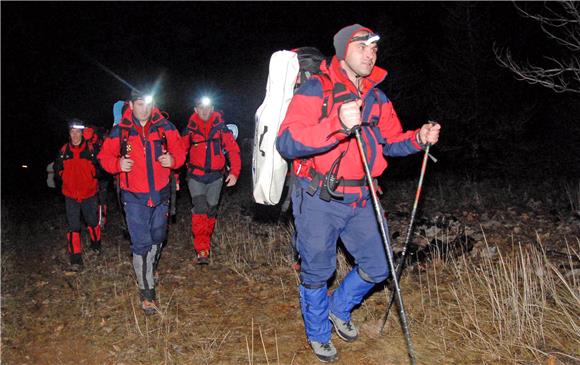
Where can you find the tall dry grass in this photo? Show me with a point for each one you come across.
(497, 305)
(516, 307)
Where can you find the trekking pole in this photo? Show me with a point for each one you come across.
(383, 230)
(409, 231)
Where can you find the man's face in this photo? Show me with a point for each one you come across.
(204, 112)
(361, 58)
(141, 109)
(76, 136)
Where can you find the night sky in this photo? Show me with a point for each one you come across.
(439, 57)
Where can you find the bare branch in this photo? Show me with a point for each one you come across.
(562, 25)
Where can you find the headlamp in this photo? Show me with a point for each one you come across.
(148, 99)
(205, 101)
(368, 38)
(76, 124)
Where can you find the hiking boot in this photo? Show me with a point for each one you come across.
(96, 246)
(76, 267)
(325, 352)
(203, 257)
(344, 329)
(149, 307)
(76, 262)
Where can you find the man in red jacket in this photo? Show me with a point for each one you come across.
(209, 143)
(76, 164)
(330, 197)
(144, 148)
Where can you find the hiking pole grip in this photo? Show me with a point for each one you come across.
(389, 253)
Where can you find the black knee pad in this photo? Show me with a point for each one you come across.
(212, 211)
(313, 286)
(199, 204)
(375, 280)
(363, 275)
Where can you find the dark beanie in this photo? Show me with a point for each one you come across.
(137, 94)
(343, 37)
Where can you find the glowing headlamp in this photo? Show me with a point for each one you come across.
(148, 99)
(205, 101)
(76, 125)
(368, 38)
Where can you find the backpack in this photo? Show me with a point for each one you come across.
(287, 70)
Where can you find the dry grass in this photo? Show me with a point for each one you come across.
(514, 307)
(509, 302)
(517, 307)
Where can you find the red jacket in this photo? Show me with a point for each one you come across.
(77, 167)
(206, 142)
(315, 142)
(148, 181)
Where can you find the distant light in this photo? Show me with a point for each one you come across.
(148, 99)
(205, 101)
(24, 166)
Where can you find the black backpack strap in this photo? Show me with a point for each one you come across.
(332, 94)
(123, 141)
(163, 138)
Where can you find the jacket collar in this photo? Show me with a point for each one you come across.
(127, 119)
(80, 146)
(337, 73)
(195, 120)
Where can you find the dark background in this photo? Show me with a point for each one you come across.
(439, 57)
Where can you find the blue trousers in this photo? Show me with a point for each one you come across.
(319, 224)
(147, 225)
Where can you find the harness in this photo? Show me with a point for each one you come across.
(125, 147)
(207, 168)
(87, 153)
(333, 94)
